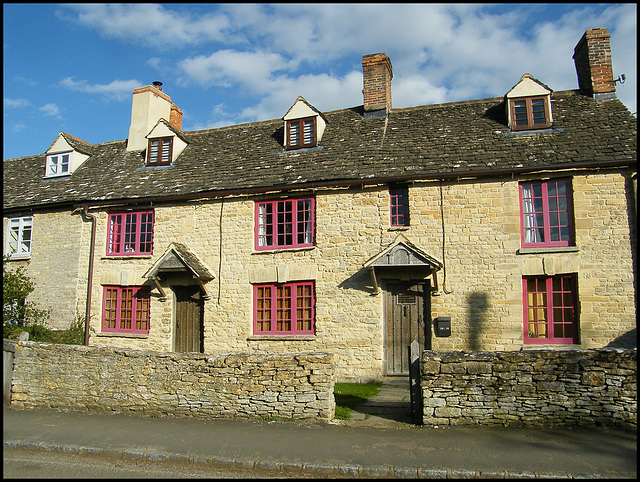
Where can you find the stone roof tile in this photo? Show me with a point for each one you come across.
(419, 142)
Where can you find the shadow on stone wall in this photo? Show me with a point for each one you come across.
(627, 340)
(477, 306)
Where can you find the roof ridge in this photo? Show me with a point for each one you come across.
(246, 124)
(75, 138)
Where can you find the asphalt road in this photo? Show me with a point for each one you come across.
(29, 464)
(330, 449)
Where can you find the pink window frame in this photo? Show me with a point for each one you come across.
(399, 199)
(546, 213)
(554, 308)
(268, 225)
(116, 311)
(117, 243)
(269, 306)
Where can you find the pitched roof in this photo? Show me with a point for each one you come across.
(312, 108)
(179, 256)
(170, 126)
(402, 252)
(436, 141)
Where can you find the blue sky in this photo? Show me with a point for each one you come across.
(72, 68)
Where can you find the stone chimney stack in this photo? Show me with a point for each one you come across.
(148, 106)
(592, 57)
(377, 74)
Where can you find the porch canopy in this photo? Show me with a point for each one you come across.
(178, 258)
(402, 260)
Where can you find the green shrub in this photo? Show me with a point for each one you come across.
(21, 315)
(17, 311)
(74, 335)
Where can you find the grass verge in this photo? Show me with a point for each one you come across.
(350, 395)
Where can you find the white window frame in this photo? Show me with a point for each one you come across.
(19, 237)
(58, 164)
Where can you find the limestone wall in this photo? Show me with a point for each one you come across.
(541, 387)
(251, 386)
(474, 231)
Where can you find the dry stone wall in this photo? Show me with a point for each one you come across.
(245, 386)
(541, 387)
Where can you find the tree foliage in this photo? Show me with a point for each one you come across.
(18, 312)
(20, 315)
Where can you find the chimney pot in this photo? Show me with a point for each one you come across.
(158, 85)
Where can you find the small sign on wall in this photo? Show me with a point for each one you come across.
(442, 326)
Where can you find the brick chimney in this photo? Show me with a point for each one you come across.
(592, 57)
(148, 106)
(176, 117)
(377, 74)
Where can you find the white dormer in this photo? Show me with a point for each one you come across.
(528, 105)
(65, 155)
(164, 144)
(304, 125)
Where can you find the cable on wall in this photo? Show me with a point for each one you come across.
(444, 237)
(220, 252)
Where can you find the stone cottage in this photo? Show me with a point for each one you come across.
(495, 224)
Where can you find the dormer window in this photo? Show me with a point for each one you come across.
(304, 126)
(58, 165)
(159, 151)
(530, 113)
(65, 156)
(528, 105)
(301, 133)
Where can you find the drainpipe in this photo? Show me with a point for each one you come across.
(92, 218)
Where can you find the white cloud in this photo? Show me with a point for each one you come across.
(439, 52)
(118, 89)
(19, 126)
(323, 91)
(228, 67)
(416, 90)
(150, 24)
(29, 82)
(16, 103)
(50, 109)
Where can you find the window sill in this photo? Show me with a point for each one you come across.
(25, 257)
(551, 346)
(122, 335)
(280, 250)
(531, 132)
(64, 175)
(399, 228)
(131, 256)
(560, 249)
(299, 149)
(281, 338)
(154, 167)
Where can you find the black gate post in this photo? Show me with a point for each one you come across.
(414, 382)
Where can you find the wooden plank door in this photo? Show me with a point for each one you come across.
(405, 309)
(189, 335)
